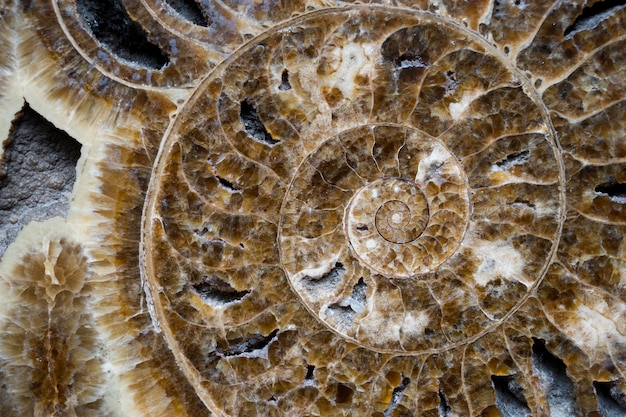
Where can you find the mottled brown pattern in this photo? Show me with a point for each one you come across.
(320, 208)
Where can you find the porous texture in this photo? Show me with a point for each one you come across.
(37, 175)
(408, 208)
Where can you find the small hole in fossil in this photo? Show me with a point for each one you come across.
(344, 394)
(253, 125)
(284, 82)
(310, 369)
(37, 174)
(229, 186)
(201, 232)
(334, 274)
(612, 402)
(190, 10)
(109, 22)
(411, 59)
(358, 296)
(538, 82)
(615, 190)
(553, 374)
(443, 408)
(344, 311)
(341, 315)
(325, 283)
(517, 158)
(592, 16)
(396, 396)
(507, 50)
(523, 202)
(509, 398)
(247, 346)
(451, 82)
(362, 228)
(215, 289)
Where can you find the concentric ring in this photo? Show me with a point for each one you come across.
(388, 181)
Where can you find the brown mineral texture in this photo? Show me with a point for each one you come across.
(312, 208)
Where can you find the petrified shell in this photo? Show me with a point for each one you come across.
(320, 208)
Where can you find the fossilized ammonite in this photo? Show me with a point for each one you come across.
(407, 208)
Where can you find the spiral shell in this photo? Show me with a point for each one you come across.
(385, 175)
(320, 208)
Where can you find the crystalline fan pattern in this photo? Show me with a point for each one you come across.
(321, 209)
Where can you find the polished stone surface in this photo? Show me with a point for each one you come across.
(321, 208)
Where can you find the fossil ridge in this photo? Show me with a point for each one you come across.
(313, 208)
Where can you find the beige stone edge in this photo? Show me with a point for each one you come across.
(10, 96)
(29, 80)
